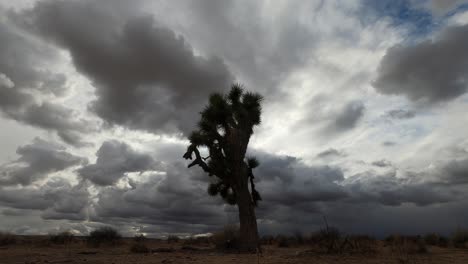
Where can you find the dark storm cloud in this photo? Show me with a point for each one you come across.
(400, 114)
(173, 201)
(57, 199)
(114, 159)
(23, 60)
(390, 190)
(146, 76)
(298, 199)
(388, 143)
(36, 161)
(16, 212)
(276, 168)
(333, 118)
(69, 202)
(429, 72)
(293, 191)
(25, 198)
(331, 152)
(27, 85)
(178, 200)
(293, 182)
(382, 163)
(295, 196)
(288, 181)
(349, 116)
(454, 172)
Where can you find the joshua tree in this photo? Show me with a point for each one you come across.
(224, 129)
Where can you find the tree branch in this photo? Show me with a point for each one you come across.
(255, 194)
(198, 159)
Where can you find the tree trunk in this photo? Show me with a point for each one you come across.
(247, 219)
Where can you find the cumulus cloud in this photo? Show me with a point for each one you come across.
(390, 190)
(454, 172)
(286, 180)
(265, 51)
(177, 200)
(349, 116)
(291, 181)
(382, 163)
(144, 73)
(69, 202)
(114, 160)
(296, 195)
(56, 199)
(37, 160)
(429, 72)
(25, 198)
(331, 152)
(28, 87)
(23, 60)
(331, 119)
(172, 201)
(5, 82)
(400, 114)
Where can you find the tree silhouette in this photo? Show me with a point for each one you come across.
(225, 128)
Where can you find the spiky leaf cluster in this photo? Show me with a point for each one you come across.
(226, 116)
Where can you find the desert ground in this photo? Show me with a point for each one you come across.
(39, 249)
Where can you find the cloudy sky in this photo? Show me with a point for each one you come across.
(365, 113)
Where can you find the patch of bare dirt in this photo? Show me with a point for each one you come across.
(37, 251)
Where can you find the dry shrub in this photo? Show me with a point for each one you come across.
(359, 244)
(140, 238)
(407, 245)
(267, 240)
(283, 241)
(104, 235)
(140, 248)
(299, 238)
(173, 239)
(406, 248)
(205, 240)
(434, 239)
(460, 238)
(7, 239)
(329, 239)
(227, 239)
(62, 238)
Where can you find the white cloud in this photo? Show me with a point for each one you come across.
(5, 81)
(460, 19)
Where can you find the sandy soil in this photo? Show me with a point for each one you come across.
(78, 252)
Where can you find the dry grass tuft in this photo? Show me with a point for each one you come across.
(173, 239)
(62, 238)
(460, 238)
(140, 248)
